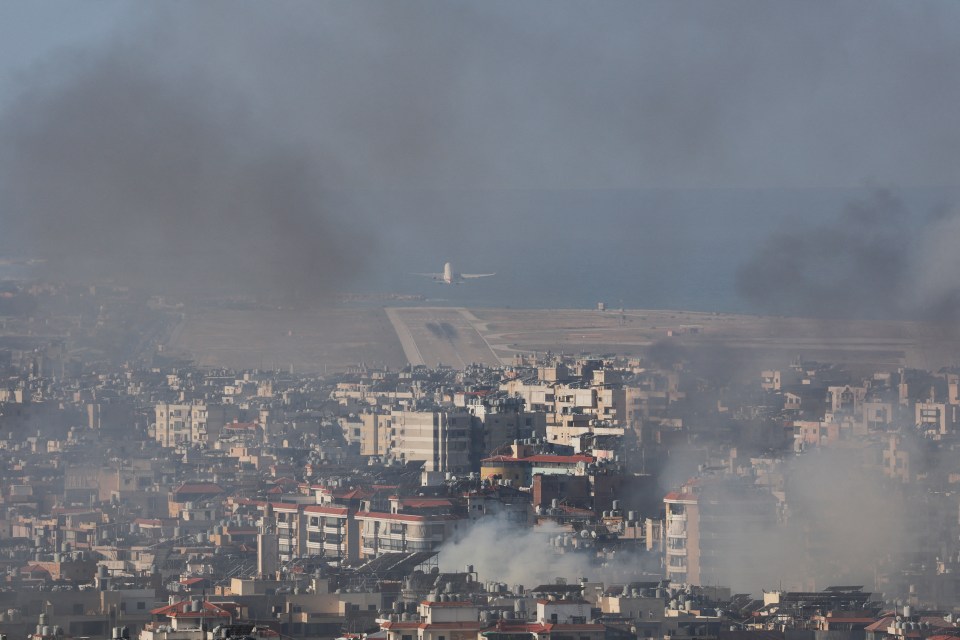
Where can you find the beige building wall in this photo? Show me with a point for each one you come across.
(187, 424)
(682, 539)
(374, 434)
(440, 439)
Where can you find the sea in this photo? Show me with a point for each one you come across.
(577, 248)
(650, 249)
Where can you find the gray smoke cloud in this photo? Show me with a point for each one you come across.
(531, 560)
(225, 142)
(132, 170)
(877, 259)
(838, 521)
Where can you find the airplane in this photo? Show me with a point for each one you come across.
(449, 276)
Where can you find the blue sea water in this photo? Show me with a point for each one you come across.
(573, 249)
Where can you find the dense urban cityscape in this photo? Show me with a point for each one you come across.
(479, 320)
(550, 495)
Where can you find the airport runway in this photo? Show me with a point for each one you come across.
(445, 335)
(339, 338)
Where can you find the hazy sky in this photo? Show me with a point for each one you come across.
(126, 122)
(621, 94)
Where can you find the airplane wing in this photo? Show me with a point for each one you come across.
(435, 276)
(476, 275)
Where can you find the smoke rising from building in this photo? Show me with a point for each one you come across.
(530, 559)
(829, 518)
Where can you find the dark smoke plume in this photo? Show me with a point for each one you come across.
(877, 260)
(129, 170)
(226, 142)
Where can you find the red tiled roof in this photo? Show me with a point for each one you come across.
(880, 624)
(33, 568)
(676, 495)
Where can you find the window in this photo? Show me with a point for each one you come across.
(141, 606)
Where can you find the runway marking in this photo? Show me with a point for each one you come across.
(442, 333)
(410, 349)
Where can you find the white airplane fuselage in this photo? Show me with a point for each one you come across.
(449, 276)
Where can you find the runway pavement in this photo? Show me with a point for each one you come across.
(440, 335)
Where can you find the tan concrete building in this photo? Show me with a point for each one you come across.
(936, 417)
(704, 529)
(440, 439)
(393, 532)
(191, 424)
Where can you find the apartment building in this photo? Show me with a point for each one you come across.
(331, 532)
(395, 532)
(705, 527)
(440, 439)
(191, 424)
